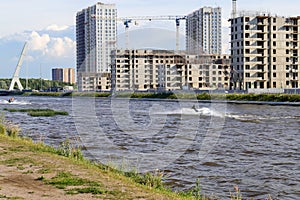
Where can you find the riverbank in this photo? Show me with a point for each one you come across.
(31, 170)
(180, 95)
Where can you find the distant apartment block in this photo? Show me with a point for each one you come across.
(96, 35)
(204, 31)
(168, 70)
(66, 75)
(265, 52)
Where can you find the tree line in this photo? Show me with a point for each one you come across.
(34, 84)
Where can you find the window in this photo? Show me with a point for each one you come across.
(274, 67)
(274, 43)
(274, 28)
(274, 35)
(247, 19)
(274, 51)
(287, 75)
(274, 75)
(274, 59)
(247, 66)
(274, 84)
(247, 74)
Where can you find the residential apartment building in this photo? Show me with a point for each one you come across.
(66, 75)
(167, 70)
(264, 52)
(204, 31)
(96, 35)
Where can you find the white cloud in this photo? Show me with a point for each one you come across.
(61, 47)
(52, 46)
(39, 42)
(55, 27)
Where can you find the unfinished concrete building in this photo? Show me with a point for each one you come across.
(264, 51)
(167, 70)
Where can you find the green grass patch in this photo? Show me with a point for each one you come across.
(64, 179)
(38, 112)
(44, 171)
(92, 190)
(47, 94)
(16, 161)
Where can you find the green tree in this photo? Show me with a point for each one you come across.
(3, 85)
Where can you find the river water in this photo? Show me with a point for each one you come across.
(255, 147)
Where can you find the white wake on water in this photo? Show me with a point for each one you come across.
(15, 102)
(204, 111)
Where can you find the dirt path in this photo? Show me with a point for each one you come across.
(26, 174)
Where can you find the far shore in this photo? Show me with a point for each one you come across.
(237, 98)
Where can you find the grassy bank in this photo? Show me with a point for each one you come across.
(208, 96)
(179, 95)
(63, 173)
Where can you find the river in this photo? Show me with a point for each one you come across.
(255, 147)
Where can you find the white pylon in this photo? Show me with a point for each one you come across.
(15, 78)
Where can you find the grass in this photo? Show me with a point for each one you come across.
(38, 112)
(65, 179)
(208, 96)
(180, 95)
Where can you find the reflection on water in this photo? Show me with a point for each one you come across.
(253, 146)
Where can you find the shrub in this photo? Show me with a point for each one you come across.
(2, 129)
(66, 149)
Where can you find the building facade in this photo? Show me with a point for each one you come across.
(168, 70)
(96, 35)
(95, 82)
(204, 31)
(66, 75)
(264, 52)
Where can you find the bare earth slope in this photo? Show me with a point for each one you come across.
(26, 173)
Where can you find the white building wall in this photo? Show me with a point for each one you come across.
(97, 38)
(204, 31)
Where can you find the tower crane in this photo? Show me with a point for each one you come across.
(128, 20)
(15, 78)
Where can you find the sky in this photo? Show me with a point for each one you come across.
(48, 27)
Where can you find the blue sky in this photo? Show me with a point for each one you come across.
(49, 27)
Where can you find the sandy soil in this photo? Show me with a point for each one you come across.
(20, 169)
